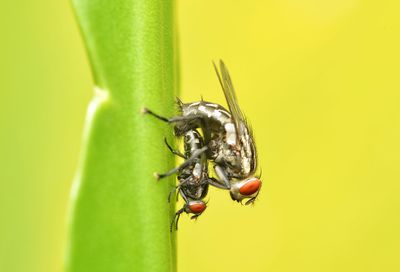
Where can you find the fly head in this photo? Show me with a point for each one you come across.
(246, 189)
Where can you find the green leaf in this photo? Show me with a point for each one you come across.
(120, 217)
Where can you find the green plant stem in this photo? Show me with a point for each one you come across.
(119, 219)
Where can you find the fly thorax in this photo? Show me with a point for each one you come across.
(207, 111)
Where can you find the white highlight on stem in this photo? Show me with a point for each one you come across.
(100, 97)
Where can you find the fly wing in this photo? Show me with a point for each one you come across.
(230, 96)
(243, 130)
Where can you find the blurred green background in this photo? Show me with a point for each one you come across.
(319, 82)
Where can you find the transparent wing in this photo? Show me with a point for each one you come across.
(230, 95)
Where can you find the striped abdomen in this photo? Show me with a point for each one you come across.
(216, 118)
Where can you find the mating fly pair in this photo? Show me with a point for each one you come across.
(227, 143)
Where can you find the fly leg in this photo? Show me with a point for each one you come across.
(171, 192)
(194, 217)
(216, 183)
(176, 188)
(187, 162)
(251, 200)
(223, 178)
(169, 120)
(175, 152)
(147, 111)
(179, 212)
(176, 219)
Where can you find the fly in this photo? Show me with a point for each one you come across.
(228, 139)
(192, 175)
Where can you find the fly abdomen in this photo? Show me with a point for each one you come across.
(215, 120)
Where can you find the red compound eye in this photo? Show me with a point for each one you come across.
(250, 187)
(197, 207)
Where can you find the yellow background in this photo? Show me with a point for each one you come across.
(319, 82)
